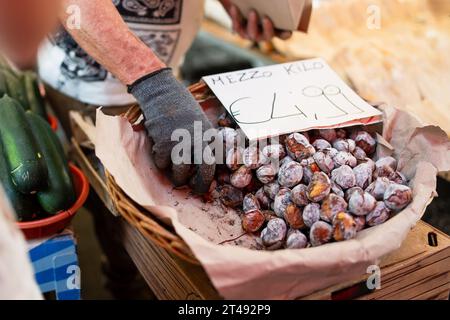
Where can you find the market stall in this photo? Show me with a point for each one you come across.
(315, 161)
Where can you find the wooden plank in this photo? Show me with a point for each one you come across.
(414, 283)
(166, 275)
(410, 291)
(396, 268)
(95, 180)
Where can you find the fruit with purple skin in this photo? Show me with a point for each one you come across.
(296, 240)
(398, 177)
(363, 175)
(331, 206)
(298, 147)
(282, 200)
(253, 221)
(253, 158)
(271, 189)
(311, 214)
(263, 198)
(320, 233)
(397, 196)
(359, 154)
(230, 137)
(344, 158)
(378, 188)
(361, 203)
(360, 222)
(309, 168)
(274, 234)
(230, 196)
(341, 145)
(351, 145)
(385, 166)
(336, 189)
(293, 216)
(250, 203)
(319, 187)
(328, 134)
(225, 120)
(321, 144)
(241, 177)
(341, 133)
(290, 174)
(365, 141)
(266, 173)
(299, 196)
(269, 215)
(378, 215)
(344, 226)
(332, 152)
(285, 160)
(344, 177)
(349, 192)
(274, 151)
(234, 158)
(324, 161)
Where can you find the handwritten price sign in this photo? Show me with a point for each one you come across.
(284, 98)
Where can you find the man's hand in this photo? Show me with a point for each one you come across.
(167, 106)
(253, 27)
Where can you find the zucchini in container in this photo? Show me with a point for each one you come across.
(27, 167)
(59, 193)
(25, 206)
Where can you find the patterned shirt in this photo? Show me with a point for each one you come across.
(166, 26)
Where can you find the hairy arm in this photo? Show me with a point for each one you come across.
(106, 37)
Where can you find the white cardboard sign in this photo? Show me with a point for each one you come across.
(290, 97)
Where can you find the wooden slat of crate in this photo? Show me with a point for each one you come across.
(408, 268)
(415, 271)
(168, 276)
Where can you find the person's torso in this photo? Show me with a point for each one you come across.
(166, 26)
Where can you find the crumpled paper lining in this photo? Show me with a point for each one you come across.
(241, 273)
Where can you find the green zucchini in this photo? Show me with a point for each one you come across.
(36, 102)
(25, 206)
(15, 87)
(26, 164)
(60, 193)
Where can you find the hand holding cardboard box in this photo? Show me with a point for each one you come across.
(285, 14)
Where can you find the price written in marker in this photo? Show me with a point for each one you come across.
(290, 97)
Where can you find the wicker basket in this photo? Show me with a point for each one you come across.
(150, 227)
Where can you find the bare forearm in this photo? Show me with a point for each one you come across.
(105, 36)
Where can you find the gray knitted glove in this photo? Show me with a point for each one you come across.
(167, 105)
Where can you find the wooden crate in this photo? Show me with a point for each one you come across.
(417, 270)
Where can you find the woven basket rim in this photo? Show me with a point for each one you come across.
(152, 229)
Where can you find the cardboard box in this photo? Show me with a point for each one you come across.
(285, 14)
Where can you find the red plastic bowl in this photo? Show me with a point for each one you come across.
(52, 225)
(53, 122)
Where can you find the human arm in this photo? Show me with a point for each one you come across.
(106, 37)
(165, 103)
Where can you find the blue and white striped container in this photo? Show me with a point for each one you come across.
(55, 264)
